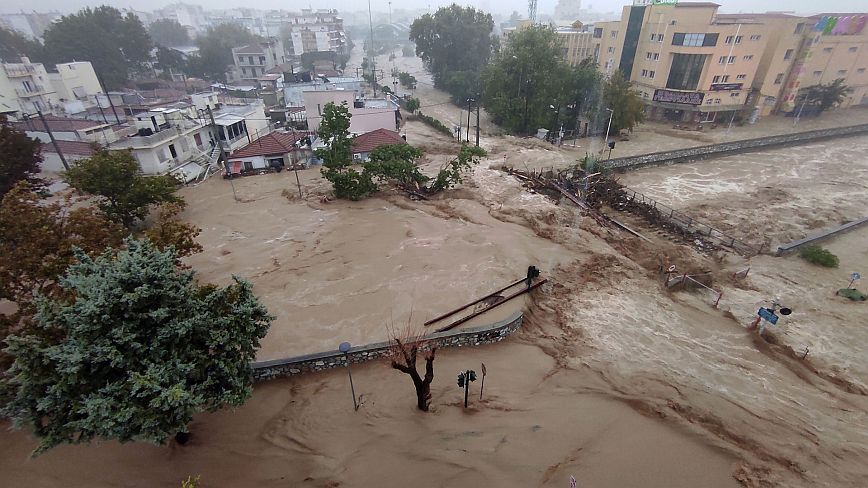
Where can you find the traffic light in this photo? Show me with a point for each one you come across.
(611, 144)
(461, 380)
(472, 375)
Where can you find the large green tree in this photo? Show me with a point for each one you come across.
(528, 83)
(142, 349)
(824, 96)
(334, 130)
(115, 44)
(20, 156)
(13, 45)
(455, 43)
(122, 192)
(215, 49)
(36, 246)
(623, 100)
(168, 33)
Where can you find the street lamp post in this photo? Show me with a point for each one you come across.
(609, 127)
(345, 348)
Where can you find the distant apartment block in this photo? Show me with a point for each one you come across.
(310, 30)
(577, 41)
(255, 60)
(26, 88)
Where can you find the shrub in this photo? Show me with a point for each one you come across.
(436, 124)
(818, 255)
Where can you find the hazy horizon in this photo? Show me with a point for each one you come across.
(503, 7)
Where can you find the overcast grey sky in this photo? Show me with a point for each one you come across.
(545, 6)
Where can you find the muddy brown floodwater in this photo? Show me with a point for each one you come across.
(612, 378)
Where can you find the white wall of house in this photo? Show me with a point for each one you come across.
(51, 162)
(75, 80)
(315, 102)
(368, 119)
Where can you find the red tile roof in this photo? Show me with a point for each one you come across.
(270, 144)
(369, 141)
(57, 124)
(77, 148)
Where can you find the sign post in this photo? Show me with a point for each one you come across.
(482, 385)
(853, 278)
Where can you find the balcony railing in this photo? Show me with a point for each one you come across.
(19, 70)
(34, 92)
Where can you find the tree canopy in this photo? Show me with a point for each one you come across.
(13, 45)
(455, 43)
(115, 44)
(825, 96)
(337, 167)
(215, 49)
(627, 108)
(142, 349)
(20, 158)
(123, 194)
(168, 33)
(36, 246)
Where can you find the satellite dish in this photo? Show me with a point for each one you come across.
(344, 347)
(785, 311)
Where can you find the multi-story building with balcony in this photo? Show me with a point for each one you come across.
(255, 60)
(309, 31)
(26, 87)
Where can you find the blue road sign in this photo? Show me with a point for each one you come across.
(768, 315)
(855, 276)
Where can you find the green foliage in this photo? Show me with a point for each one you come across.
(435, 123)
(142, 349)
(334, 130)
(168, 32)
(588, 163)
(412, 105)
(191, 482)
(170, 59)
(529, 85)
(20, 158)
(454, 42)
(123, 194)
(407, 80)
(453, 173)
(395, 162)
(215, 50)
(115, 44)
(13, 45)
(167, 230)
(818, 255)
(407, 51)
(824, 97)
(620, 96)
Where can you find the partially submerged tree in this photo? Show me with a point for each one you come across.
(402, 356)
(620, 96)
(453, 173)
(167, 230)
(37, 239)
(396, 162)
(141, 349)
(123, 193)
(334, 130)
(20, 158)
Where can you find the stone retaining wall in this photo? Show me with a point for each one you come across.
(471, 336)
(792, 246)
(734, 147)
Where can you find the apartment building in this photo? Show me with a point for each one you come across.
(608, 42)
(577, 41)
(309, 31)
(26, 88)
(255, 60)
(835, 46)
(75, 85)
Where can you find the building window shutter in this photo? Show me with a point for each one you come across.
(710, 40)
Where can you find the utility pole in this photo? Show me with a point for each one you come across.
(477, 120)
(222, 153)
(53, 140)
(469, 110)
(101, 111)
(373, 53)
(102, 85)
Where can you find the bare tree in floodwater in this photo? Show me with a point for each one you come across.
(402, 355)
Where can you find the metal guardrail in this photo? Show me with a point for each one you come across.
(690, 224)
(792, 246)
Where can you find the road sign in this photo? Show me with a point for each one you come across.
(572, 482)
(768, 315)
(855, 276)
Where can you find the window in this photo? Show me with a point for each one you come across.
(659, 37)
(827, 49)
(788, 54)
(656, 56)
(708, 101)
(732, 60)
(598, 33)
(853, 49)
(860, 70)
(611, 49)
(651, 74)
(799, 28)
(614, 34)
(261, 59)
(733, 94)
(842, 72)
(755, 37)
(694, 40)
(686, 71)
(644, 73)
(741, 77)
(250, 59)
(243, 70)
(728, 39)
(738, 39)
(749, 57)
(647, 55)
(716, 79)
(717, 101)
(653, 36)
(818, 73)
(721, 60)
(724, 79)
(779, 78)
